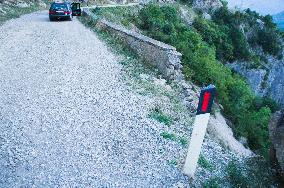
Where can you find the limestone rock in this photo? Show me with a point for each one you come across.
(207, 5)
(254, 77)
(276, 134)
(219, 129)
(188, 15)
(22, 5)
(264, 83)
(206, 16)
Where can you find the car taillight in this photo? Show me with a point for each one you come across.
(52, 12)
(67, 12)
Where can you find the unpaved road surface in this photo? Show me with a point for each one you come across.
(66, 117)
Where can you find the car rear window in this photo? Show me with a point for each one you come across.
(58, 6)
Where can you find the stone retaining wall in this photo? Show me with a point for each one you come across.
(158, 54)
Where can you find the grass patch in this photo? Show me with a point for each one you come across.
(254, 172)
(173, 137)
(204, 163)
(173, 162)
(158, 115)
(213, 182)
(168, 136)
(183, 141)
(120, 15)
(237, 178)
(13, 11)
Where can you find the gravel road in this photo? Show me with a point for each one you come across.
(66, 117)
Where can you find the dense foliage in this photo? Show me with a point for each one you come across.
(247, 30)
(217, 36)
(230, 34)
(199, 60)
(254, 172)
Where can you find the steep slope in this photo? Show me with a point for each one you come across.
(162, 22)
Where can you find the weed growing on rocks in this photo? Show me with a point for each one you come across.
(249, 173)
(205, 163)
(169, 136)
(158, 115)
(173, 162)
(183, 141)
(213, 182)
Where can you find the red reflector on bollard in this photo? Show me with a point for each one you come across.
(205, 102)
(206, 99)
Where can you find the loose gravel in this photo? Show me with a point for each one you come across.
(66, 117)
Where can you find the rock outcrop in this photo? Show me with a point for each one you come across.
(188, 15)
(276, 134)
(219, 129)
(269, 82)
(207, 5)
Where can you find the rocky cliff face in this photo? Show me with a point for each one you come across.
(276, 134)
(265, 82)
(269, 81)
(207, 5)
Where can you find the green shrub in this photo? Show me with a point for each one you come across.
(266, 102)
(173, 162)
(213, 182)
(268, 21)
(267, 37)
(237, 178)
(189, 2)
(183, 141)
(253, 172)
(200, 65)
(217, 37)
(269, 42)
(254, 126)
(240, 98)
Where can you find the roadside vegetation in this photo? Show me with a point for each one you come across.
(227, 33)
(204, 46)
(196, 50)
(119, 15)
(249, 114)
(158, 115)
(204, 163)
(13, 10)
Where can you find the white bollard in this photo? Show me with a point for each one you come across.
(197, 136)
(199, 129)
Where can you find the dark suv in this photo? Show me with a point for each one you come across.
(64, 10)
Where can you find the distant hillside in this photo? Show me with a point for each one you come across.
(263, 7)
(279, 20)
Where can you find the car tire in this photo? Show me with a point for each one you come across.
(51, 19)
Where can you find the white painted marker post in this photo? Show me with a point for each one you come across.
(199, 129)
